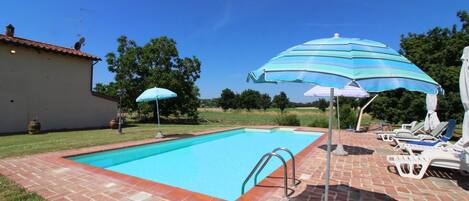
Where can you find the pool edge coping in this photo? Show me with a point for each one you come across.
(176, 193)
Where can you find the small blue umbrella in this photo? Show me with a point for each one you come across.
(155, 94)
(339, 62)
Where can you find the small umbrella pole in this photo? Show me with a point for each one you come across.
(339, 150)
(329, 142)
(158, 133)
(158, 113)
(338, 117)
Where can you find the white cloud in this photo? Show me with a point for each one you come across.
(225, 18)
(219, 24)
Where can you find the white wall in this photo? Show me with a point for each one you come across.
(53, 87)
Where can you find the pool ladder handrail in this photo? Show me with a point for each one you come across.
(294, 180)
(265, 159)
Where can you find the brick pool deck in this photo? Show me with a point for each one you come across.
(362, 175)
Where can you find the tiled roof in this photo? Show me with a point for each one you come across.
(45, 46)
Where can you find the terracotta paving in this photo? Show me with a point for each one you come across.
(362, 175)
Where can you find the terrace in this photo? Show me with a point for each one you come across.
(363, 175)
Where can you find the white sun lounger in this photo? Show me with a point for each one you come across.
(415, 166)
(401, 139)
(405, 128)
(408, 126)
(388, 136)
(412, 149)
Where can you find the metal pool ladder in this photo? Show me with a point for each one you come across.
(264, 160)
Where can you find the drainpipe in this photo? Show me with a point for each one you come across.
(91, 78)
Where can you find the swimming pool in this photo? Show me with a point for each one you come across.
(214, 164)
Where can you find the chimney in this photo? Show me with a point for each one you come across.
(10, 31)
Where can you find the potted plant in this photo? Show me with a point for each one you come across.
(34, 126)
(113, 124)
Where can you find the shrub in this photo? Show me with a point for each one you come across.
(287, 120)
(348, 116)
(322, 104)
(320, 122)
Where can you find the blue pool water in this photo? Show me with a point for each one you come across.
(214, 164)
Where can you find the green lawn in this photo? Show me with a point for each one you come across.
(12, 192)
(23, 144)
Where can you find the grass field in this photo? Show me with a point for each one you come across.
(22, 144)
(258, 117)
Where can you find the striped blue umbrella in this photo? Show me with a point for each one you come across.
(339, 62)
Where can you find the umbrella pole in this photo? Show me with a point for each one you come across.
(339, 150)
(329, 142)
(158, 133)
(158, 113)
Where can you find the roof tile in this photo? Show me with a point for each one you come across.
(45, 46)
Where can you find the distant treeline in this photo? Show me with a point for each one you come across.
(252, 99)
(249, 99)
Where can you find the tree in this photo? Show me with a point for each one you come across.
(281, 101)
(437, 52)
(209, 103)
(227, 99)
(353, 102)
(156, 64)
(250, 99)
(322, 104)
(265, 101)
(110, 89)
(128, 77)
(300, 104)
(237, 102)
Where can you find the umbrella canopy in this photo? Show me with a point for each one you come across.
(431, 120)
(154, 94)
(337, 62)
(464, 91)
(348, 91)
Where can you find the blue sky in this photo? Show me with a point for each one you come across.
(231, 38)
